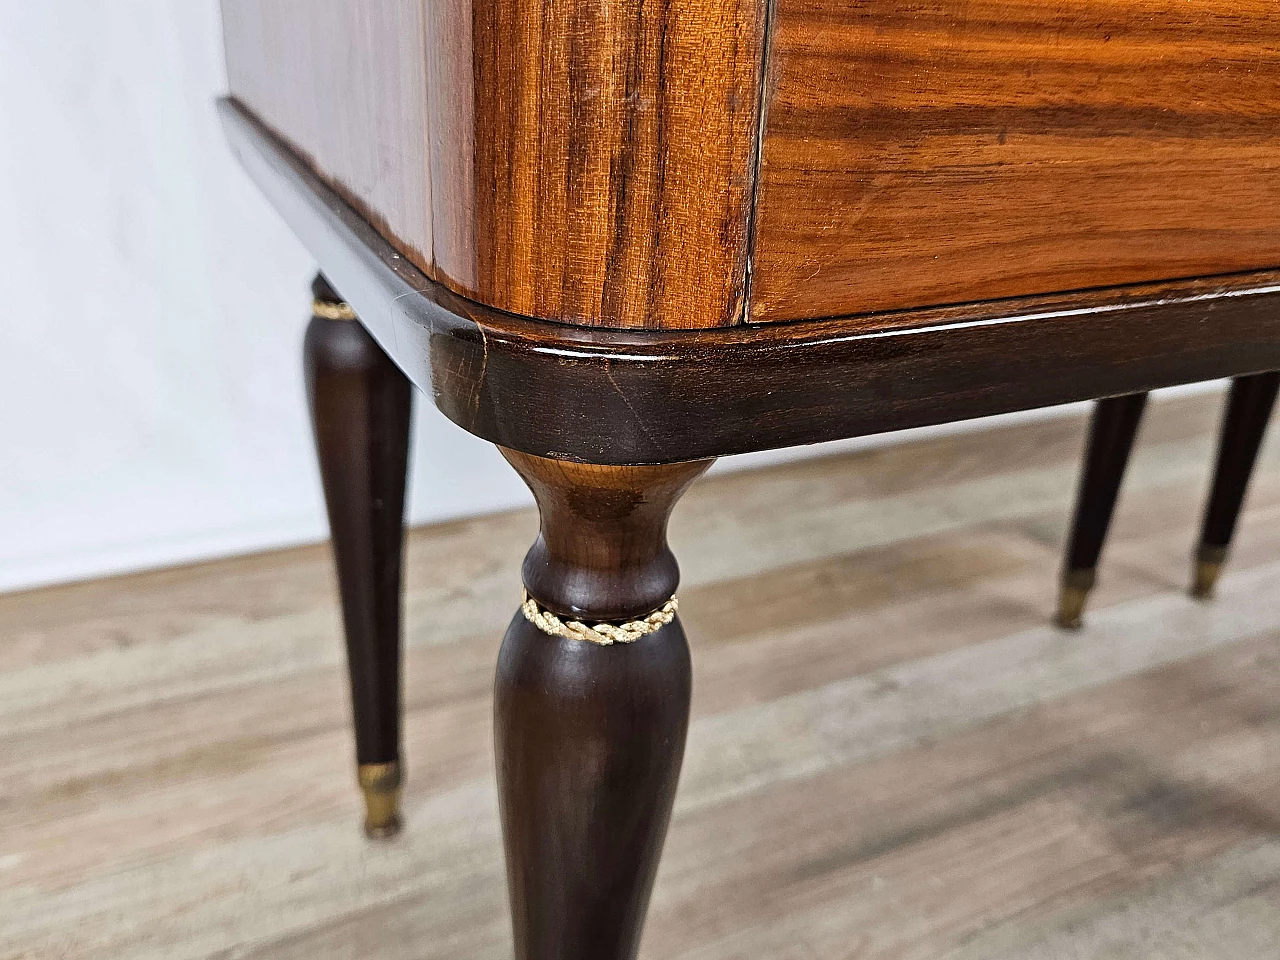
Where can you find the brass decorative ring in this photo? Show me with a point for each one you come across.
(329, 310)
(603, 634)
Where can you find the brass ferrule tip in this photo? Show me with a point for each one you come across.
(380, 784)
(1076, 585)
(1208, 567)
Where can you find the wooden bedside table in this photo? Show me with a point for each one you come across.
(621, 239)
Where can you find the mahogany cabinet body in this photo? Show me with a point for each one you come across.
(706, 163)
(554, 159)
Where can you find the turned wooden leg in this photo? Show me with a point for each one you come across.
(591, 712)
(1111, 432)
(361, 406)
(1248, 411)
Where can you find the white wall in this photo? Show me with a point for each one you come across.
(151, 404)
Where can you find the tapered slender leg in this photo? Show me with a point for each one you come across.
(590, 736)
(1248, 411)
(1111, 432)
(361, 407)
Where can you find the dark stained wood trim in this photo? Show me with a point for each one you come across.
(1244, 424)
(589, 737)
(361, 412)
(633, 397)
(1106, 456)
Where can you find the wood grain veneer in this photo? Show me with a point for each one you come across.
(345, 84)
(564, 160)
(942, 151)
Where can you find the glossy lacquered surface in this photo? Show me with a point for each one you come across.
(602, 551)
(565, 160)
(1106, 455)
(589, 745)
(947, 151)
(1244, 425)
(589, 738)
(701, 163)
(361, 407)
(346, 83)
(652, 397)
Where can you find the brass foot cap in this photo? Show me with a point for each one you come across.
(1076, 585)
(1209, 562)
(380, 784)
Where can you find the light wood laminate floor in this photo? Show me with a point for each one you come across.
(893, 754)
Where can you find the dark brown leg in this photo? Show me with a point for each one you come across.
(590, 737)
(1115, 423)
(361, 406)
(1248, 410)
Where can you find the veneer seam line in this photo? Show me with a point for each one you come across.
(757, 156)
